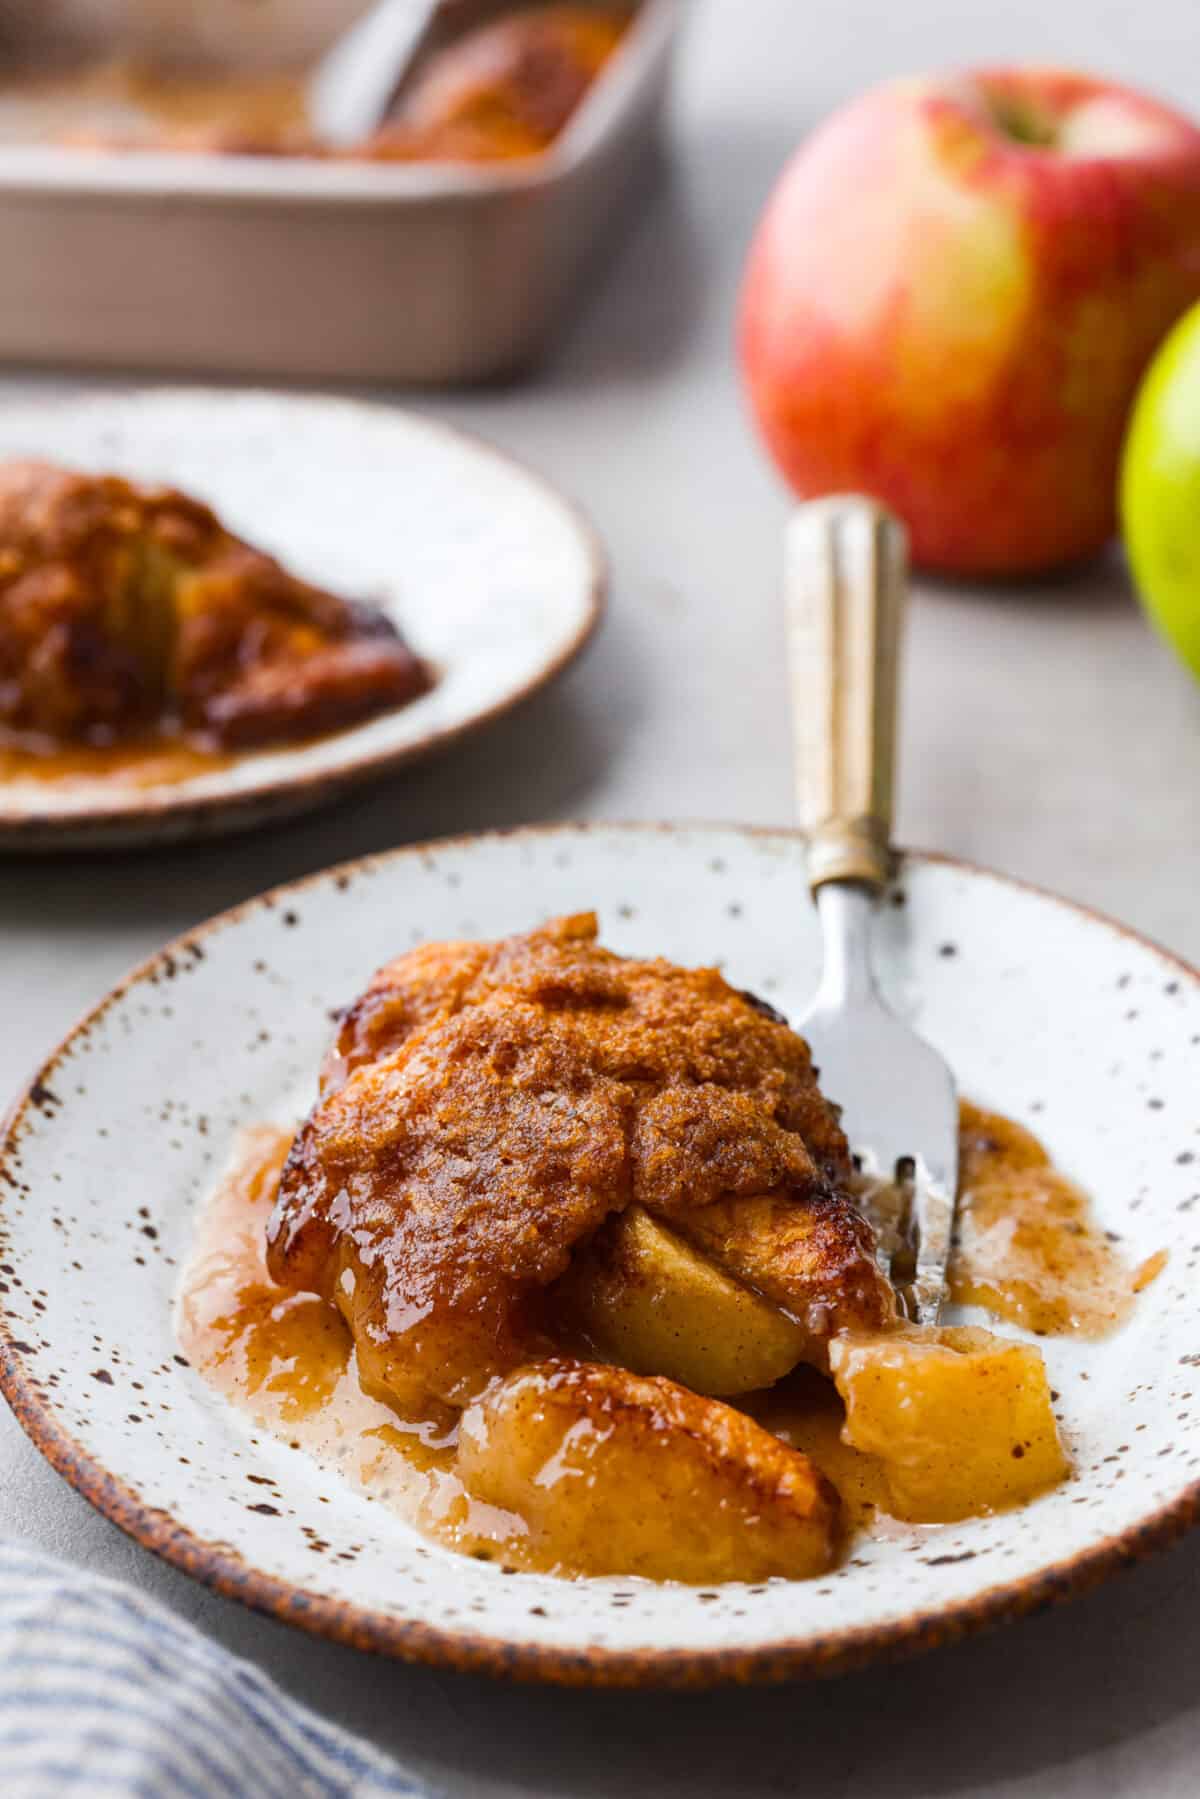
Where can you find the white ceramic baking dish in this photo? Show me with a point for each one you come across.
(290, 266)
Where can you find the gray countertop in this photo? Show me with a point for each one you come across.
(1046, 733)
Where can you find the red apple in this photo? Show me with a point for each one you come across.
(952, 294)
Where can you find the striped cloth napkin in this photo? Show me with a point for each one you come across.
(103, 1693)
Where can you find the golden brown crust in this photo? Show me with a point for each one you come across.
(502, 1100)
(427, 984)
(127, 608)
(809, 1260)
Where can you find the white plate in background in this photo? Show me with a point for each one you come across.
(492, 576)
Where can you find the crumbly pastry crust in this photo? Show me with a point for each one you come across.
(486, 1107)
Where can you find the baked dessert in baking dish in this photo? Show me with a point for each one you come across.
(505, 90)
(501, 91)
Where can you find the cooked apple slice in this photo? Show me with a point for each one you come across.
(644, 1297)
(615, 1473)
(960, 1419)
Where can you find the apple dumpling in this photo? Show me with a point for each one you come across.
(128, 611)
(579, 1244)
(491, 1115)
(576, 1196)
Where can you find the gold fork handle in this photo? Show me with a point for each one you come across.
(844, 601)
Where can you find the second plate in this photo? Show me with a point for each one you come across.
(494, 578)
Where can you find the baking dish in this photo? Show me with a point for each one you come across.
(403, 272)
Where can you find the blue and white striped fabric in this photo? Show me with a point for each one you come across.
(103, 1693)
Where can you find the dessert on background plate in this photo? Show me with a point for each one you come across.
(176, 656)
(570, 1264)
(132, 622)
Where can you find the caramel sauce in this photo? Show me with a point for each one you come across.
(288, 1361)
(133, 101)
(1027, 1247)
(806, 1411)
(1028, 1250)
(150, 762)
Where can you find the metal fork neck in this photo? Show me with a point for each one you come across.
(846, 910)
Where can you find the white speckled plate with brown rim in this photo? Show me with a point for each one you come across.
(1048, 1013)
(494, 578)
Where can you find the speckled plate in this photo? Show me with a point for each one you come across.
(1047, 1012)
(493, 577)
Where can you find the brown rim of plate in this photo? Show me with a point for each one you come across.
(134, 807)
(814, 1656)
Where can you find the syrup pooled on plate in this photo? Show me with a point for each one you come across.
(87, 768)
(1027, 1247)
(288, 1361)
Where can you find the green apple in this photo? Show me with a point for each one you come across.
(1160, 489)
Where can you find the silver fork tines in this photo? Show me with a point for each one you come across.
(933, 1208)
(897, 1097)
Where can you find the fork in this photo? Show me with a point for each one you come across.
(845, 589)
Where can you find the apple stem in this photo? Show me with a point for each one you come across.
(1022, 122)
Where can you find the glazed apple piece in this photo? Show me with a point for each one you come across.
(616, 1473)
(649, 1301)
(960, 1419)
(816, 1262)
